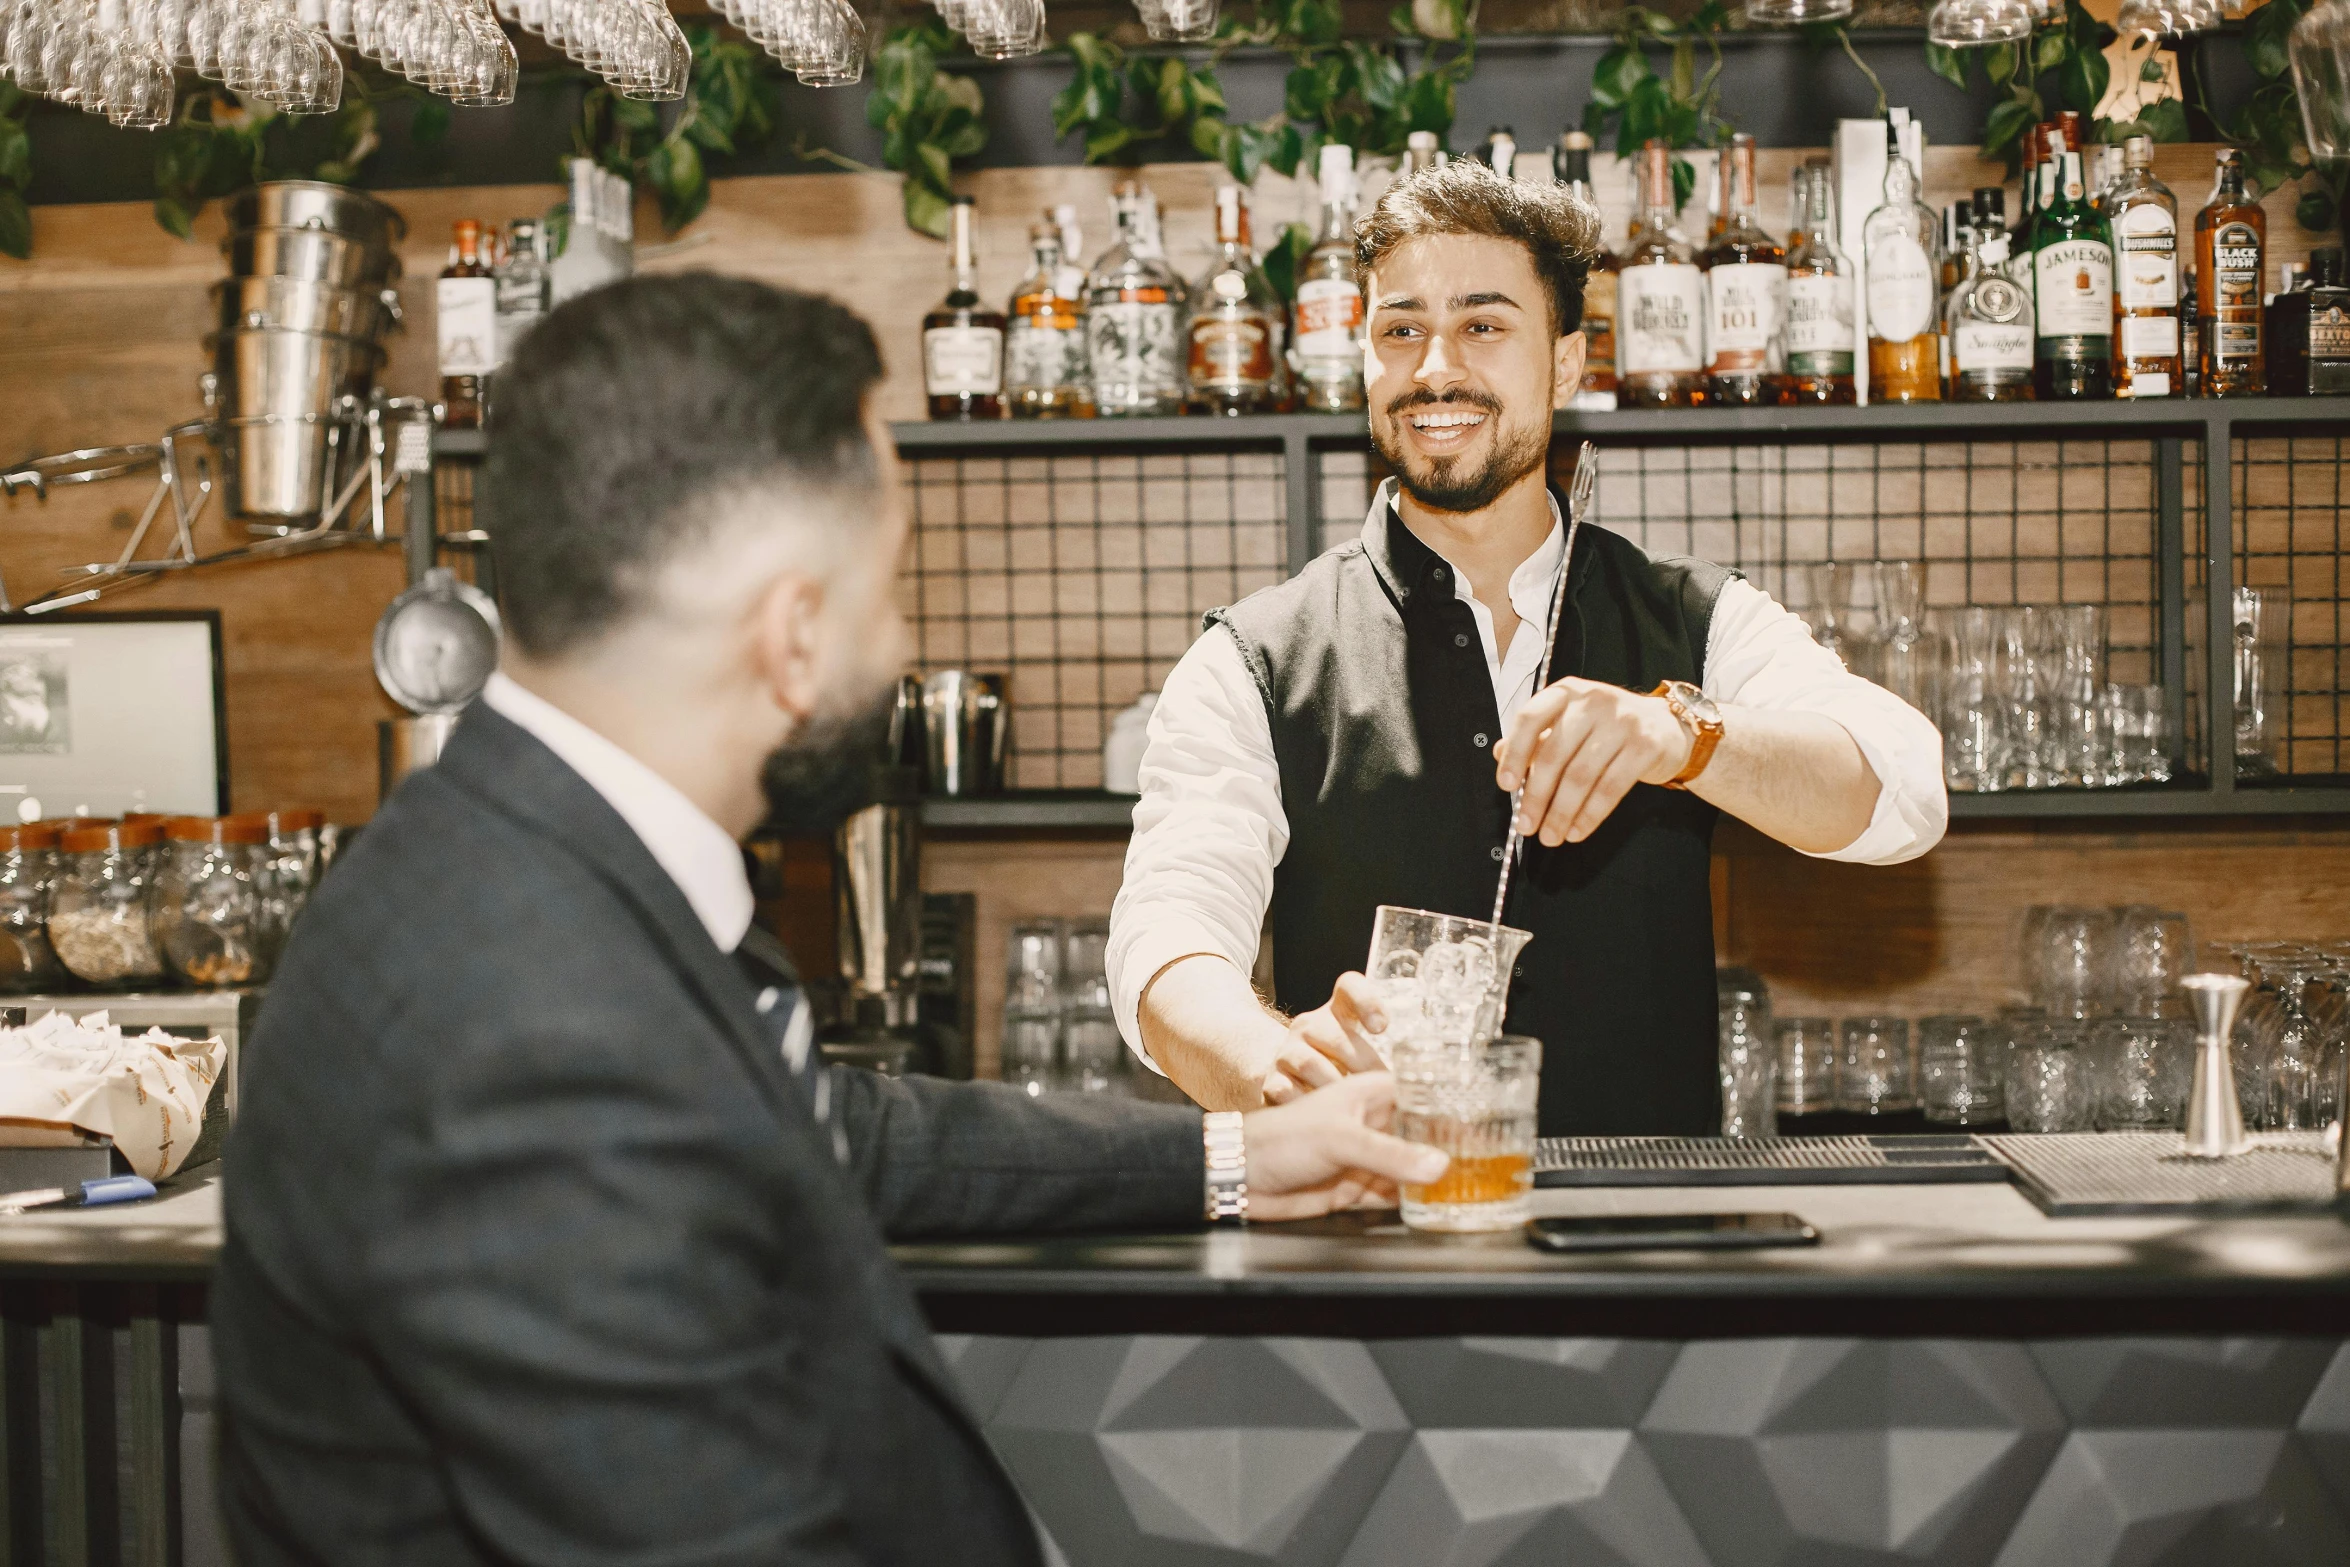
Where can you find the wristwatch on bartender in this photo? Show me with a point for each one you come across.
(1701, 719)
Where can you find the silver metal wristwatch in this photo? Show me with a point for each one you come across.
(1227, 1196)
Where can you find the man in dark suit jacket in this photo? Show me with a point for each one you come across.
(549, 1238)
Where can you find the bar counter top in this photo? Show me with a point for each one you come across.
(1908, 1259)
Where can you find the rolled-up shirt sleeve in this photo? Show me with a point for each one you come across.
(1760, 655)
(1208, 829)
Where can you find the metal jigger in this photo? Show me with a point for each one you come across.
(2215, 1121)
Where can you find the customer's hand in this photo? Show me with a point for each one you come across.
(1330, 1149)
(1329, 1042)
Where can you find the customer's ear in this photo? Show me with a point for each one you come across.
(787, 622)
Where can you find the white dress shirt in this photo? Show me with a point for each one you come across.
(1209, 828)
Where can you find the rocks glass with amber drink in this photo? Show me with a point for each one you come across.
(1476, 1102)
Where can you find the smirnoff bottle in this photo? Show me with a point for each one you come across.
(2231, 252)
(1819, 295)
(1235, 329)
(2072, 294)
(1134, 315)
(1991, 331)
(1660, 301)
(1329, 301)
(1897, 242)
(2145, 219)
(1746, 280)
(1599, 288)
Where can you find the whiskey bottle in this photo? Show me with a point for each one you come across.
(1045, 371)
(1235, 329)
(1599, 287)
(1500, 153)
(1134, 315)
(1660, 300)
(1991, 331)
(2190, 336)
(2231, 256)
(2072, 294)
(1746, 282)
(1819, 295)
(2329, 323)
(465, 319)
(962, 338)
(1897, 246)
(1419, 153)
(1329, 301)
(2145, 219)
(523, 291)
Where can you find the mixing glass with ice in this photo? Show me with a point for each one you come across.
(1441, 978)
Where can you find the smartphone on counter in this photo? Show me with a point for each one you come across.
(1671, 1232)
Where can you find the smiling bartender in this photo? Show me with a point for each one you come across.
(1350, 737)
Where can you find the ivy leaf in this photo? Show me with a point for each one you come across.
(703, 132)
(1106, 141)
(1380, 78)
(2049, 50)
(1684, 181)
(679, 183)
(1619, 71)
(2000, 64)
(2151, 70)
(175, 218)
(2266, 32)
(1174, 90)
(926, 210)
(16, 226)
(2084, 78)
(1283, 258)
(16, 155)
(2314, 211)
(933, 166)
(2165, 119)
(965, 140)
(1287, 151)
(1946, 63)
(1207, 93)
(2006, 125)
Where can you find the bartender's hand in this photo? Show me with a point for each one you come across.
(1580, 746)
(1330, 1149)
(1329, 1042)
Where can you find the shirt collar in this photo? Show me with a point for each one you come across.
(1407, 561)
(699, 855)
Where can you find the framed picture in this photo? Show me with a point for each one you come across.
(111, 712)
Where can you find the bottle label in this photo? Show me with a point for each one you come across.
(465, 313)
(2235, 290)
(1819, 325)
(1599, 327)
(1987, 346)
(1233, 353)
(1901, 289)
(2329, 333)
(2149, 337)
(1135, 343)
(2072, 288)
(1040, 355)
(962, 361)
(1330, 320)
(1747, 298)
(2148, 266)
(1660, 319)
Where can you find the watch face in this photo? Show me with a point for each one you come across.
(1700, 707)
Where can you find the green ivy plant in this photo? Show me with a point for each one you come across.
(928, 117)
(1128, 106)
(2268, 127)
(16, 172)
(1352, 92)
(726, 109)
(2061, 66)
(1680, 105)
(217, 144)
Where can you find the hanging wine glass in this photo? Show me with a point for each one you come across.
(1966, 24)
(2319, 51)
(1791, 13)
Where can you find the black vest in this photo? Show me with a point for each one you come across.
(1383, 725)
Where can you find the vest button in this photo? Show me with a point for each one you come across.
(1496, 852)
(1460, 639)
(1479, 740)
(1437, 575)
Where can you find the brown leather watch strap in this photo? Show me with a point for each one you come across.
(1704, 735)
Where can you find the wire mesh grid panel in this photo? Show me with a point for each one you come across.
(1083, 578)
(2291, 506)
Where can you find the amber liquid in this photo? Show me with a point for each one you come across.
(1050, 313)
(1495, 1178)
(1908, 372)
(2227, 299)
(1599, 325)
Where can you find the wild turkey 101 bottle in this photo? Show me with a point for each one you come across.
(2231, 249)
(1660, 300)
(1746, 280)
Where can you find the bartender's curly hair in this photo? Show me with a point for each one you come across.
(1560, 231)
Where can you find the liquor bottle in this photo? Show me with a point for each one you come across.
(1134, 315)
(2231, 256)
(1897, 244)
(1991, 331)
(2190, 336)
(1599, 287)
(1660, 300)
(1329, 301)
(2329, 323)
(2145, 219)
(1045, 371)
(1717, 201)
(465, 309)
(1819, 295)
(1746, 282)
(2072, 295)
(1235, 329)
(523, 288)
(1419, 152)
(962, 339)
(1500, 153)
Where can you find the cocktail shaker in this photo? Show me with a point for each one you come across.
(967, 720)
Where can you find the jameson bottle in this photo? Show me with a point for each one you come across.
(1599, 288)
(2231, 252)
(1746, 282)
(2072, 294)
(1045, 373)
(1235, 329)
(1134, 315)
(1660, 300)
(2145, 219)
(1897, 244)
(962, 339)
(1991, 331)
(1329, 301)
(1819, 295)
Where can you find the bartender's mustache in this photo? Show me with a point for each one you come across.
(1421, 397)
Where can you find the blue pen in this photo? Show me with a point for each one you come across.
(90, 1194)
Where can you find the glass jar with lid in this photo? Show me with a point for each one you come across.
(98, 916)
(289, 870)
(28, 869)
(209, 920)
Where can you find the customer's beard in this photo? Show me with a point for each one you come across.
(1443, 487)
(826, 773)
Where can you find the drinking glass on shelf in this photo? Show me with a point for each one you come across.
(1748, 1061)
(2140, 1070)
(1476, 1102)
(2260, 679)
(1033, 1005)
(1831, 618)
(1806, 1048)
(1904, 655)
(2301, 1091)
(2133, 725)
(2152, 951)
(1962, 1070)
(1876, 1074)
(2075, 652)
(2068, 960)
(1091, 1050)
(2047, 1086)
(1974, 751)
(2021, 700)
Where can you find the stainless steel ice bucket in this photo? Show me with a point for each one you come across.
(315, 255)
(270, 371)
(299, 305)
(314, 204)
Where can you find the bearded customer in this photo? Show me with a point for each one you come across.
(548, 1238)
(1351, 737)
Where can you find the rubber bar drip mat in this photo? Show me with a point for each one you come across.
(2082, 1174)
(1763, 1161)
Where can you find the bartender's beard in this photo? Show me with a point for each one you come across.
(1440, 483)
(825, 773)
